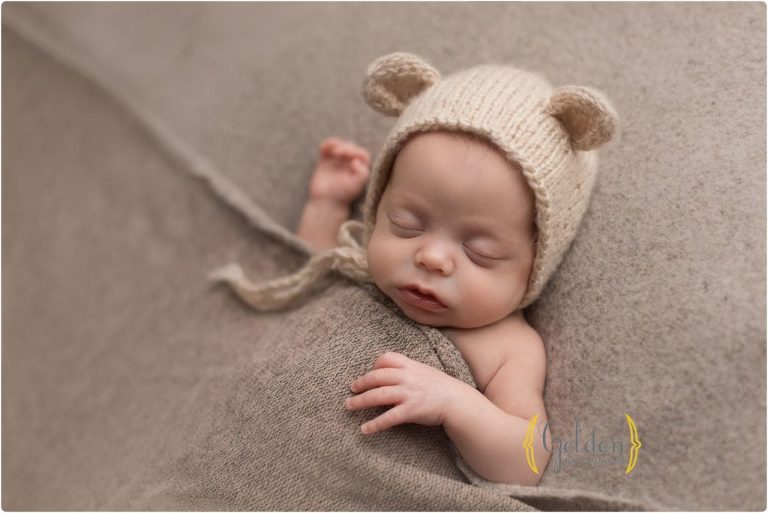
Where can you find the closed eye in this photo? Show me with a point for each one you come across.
(471, 252)
(480, 255)
(405, 227)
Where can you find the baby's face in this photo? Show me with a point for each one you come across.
(457, 220)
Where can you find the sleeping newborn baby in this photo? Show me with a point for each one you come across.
(472, 203)
(453, 246)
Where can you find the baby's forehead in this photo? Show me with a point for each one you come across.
(461, 174)
(464, 190)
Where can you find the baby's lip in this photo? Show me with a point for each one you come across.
(425, 291)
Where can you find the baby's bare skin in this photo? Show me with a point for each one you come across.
(504, 353)
(339, 177)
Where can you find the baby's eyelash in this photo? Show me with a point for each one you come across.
(481, 255)
(405, 228)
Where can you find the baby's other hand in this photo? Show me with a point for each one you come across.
(421, 393)
(341, 172)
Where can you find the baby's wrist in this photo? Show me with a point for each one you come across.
(461, 395)
(320, 223)
(326, 204)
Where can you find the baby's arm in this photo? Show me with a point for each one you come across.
(339, 177)
(320, 222)
(489, 430)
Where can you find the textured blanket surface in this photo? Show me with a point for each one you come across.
(129, 382)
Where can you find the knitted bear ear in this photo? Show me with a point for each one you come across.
(586, 114)
(394, 79)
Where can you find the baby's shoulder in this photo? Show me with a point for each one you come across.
(524, 352)
(487, 348)
(517, 387)
(522, 336)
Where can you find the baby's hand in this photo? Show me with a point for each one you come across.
(341, 172)
(421, 393)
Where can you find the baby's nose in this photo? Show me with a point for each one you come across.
(435, 257)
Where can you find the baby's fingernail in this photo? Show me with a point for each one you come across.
(352, 387)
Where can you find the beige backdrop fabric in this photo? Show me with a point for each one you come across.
(657, 311)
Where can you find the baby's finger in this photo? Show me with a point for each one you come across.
(362, 153)
(328, 145)
(376, 378)
(376, 397)
(360, 167)
(386, 420)
(351, 150)
(391, 359)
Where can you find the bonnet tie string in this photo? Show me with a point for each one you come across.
(348, 259)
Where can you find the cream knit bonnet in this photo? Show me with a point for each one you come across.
(549, 132)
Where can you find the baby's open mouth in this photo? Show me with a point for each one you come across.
(423, 300)
(422, 294)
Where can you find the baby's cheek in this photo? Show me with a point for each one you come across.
(483, 293)
(380, 258)
(474, 290)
